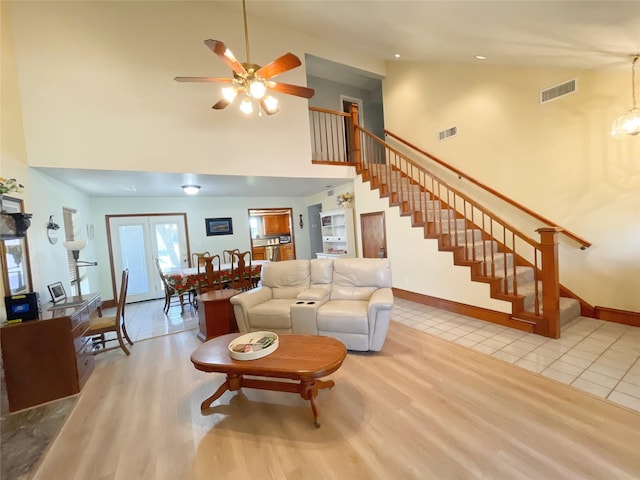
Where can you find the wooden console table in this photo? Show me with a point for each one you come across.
(50, 358)
(215, 313)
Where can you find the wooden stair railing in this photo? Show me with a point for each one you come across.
(584, 244)
(496, 252)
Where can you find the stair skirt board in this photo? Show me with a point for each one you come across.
(479, 313)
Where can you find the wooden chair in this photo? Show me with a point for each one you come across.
(241, 271)
(213, 274)
(98, 326)
(196, 259)
(227, 255)
(169, 291)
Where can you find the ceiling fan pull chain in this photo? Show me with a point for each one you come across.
(246, 31)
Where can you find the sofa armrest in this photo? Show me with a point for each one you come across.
(379, 313)
(381, 299)
(245, 300)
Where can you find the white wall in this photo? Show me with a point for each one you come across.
(557, 159)
(197, 209)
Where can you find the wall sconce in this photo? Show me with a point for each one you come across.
(52, 235)
(74, 247)
(301, 223)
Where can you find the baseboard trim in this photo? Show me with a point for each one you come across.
(617, 316)
(479, 313)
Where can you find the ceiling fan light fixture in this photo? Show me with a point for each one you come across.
(229, 93)
(257, 89)
(247, 105)
(271, 104)
(628, 124)
(191, 189)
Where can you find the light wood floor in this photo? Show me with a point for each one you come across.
(422, 408)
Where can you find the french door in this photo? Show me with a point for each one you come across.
(137, 240)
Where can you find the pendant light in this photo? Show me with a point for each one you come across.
(629, 123)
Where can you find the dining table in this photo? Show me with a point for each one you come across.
(188, 279)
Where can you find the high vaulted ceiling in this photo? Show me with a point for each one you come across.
(577, 34)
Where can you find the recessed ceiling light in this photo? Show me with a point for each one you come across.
(480, 57)
(397, 55)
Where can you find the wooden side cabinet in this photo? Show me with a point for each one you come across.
(215, 313)
(47, 359)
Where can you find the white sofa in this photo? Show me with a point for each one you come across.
(349, 299)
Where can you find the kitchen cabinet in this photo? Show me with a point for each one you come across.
(338, 234)
(258, 253)
(287, 252)
(276, 224)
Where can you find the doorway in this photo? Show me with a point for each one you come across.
(315, 232)
(271, 232)
(374, 235)
(135, 241)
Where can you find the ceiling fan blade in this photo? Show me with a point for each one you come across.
(203, 79)
(296, 90)
(286, 62)
(221, 104)
(225, 54)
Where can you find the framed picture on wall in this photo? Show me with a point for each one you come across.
(218, 226)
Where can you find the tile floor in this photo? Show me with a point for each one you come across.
(601, 358)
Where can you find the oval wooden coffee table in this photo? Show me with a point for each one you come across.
(305, 358)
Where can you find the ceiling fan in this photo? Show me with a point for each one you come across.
(252, 81)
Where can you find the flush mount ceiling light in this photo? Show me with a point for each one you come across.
(252, 82)
(191, 189)
(629, 123)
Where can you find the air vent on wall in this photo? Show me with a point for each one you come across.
(558, 91)
(449, 132)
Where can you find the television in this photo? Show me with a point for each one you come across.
(22, 307)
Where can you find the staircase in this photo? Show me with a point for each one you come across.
(518, 269)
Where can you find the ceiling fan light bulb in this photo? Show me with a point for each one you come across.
(246, 106)
(271, 103)
(229, 93)
(257, 89)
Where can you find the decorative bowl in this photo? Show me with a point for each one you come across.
(251, 346)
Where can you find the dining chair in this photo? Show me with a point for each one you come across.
(241, 271)
(99, 326)
(196, 259)
(227, 255)
(169, 291)
(213, 274)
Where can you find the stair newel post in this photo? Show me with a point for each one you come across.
(550, 281)
(357, 153)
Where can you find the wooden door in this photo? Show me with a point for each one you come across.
(374, 236)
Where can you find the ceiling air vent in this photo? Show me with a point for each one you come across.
(449, 132)
(558, 91)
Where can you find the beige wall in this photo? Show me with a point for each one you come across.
(556, 159)
(13, 156)
(102, 95)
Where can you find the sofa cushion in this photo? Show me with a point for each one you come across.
(287, 279)
(358, 278)
(321, 271)
(271, 314)
(348, 316)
